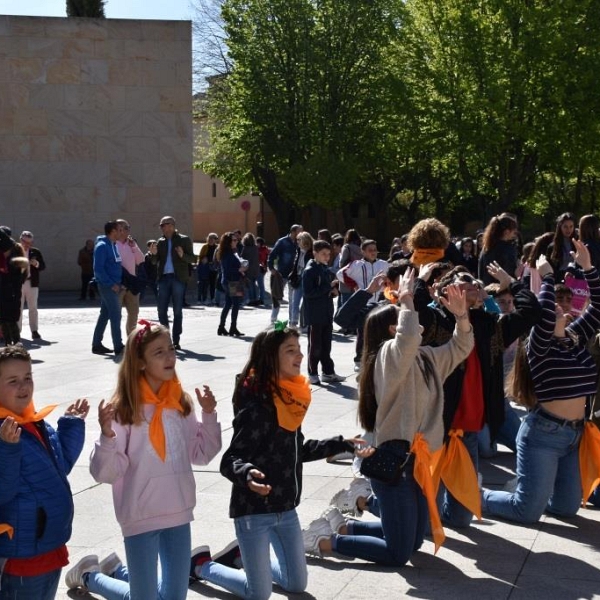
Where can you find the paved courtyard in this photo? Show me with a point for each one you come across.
(492, 560)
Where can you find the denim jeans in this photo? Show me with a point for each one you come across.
(260, 281)
(285, 565)
(36, 587)
(170, 288)
(595, 497)
(547, 473)
(507, 434)
(140, 578)
(401, 530)
(110, 309)
(295, 296)
(453, 513)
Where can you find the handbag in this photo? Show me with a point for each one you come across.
(388, 463)
(236, 289)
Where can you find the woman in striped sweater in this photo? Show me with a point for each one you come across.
(552, 375)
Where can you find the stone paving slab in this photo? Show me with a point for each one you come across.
(493, 560)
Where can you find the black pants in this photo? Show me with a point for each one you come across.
(319, 349)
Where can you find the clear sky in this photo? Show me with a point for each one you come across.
(114, 9)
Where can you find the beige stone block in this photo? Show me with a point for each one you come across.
(13, 47)
(41, 47)
(112, 98)
(175, 149)
(124, 29)
(4, 25)
(159, 73)
(143, 149)
(73, 27)
(124, 72)
(143, 199)
(45, 96)
(175, 100)
(27, 70)
(160, 124)
(92, 200)
(111, 149)
(142, 49)
(64, 122)
(109, 48)
(185, 177)
(113, 198)
(47, 198)
(126, 174)
(94, 71)
(80, 97)
(46, 148)
(30, 122)
(158, 30)
(80, 147)
(159, 175)
(7, 121)
(126, 123)
(144, 99)
(183, 74)
(27, 26)
(179, 51)
(14, 95)
(14, 147)
(176, 200)
(63, 70)
(4, 69)
(94, 122)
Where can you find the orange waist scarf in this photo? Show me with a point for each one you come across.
(168, 397)
(293, 402)
(422, 474)
(453, 465)
(589, 459)
(29, 416)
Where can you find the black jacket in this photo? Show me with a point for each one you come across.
(259, 443)
(316, 291)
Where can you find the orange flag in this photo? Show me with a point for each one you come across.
(589, 459)
(6, 528)
(422, 475)
(453, 465)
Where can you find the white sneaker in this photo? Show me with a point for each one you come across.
(318, 530)
(74, 576)
(314, 380)
(346, 499)
(110, 564)
(332, 378)
(357, 367)
(335, 517)
(340, 456)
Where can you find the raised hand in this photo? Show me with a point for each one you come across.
(498, 273)
(376, 283)
(80, 408)
(406, 282)
(10, 432)
(206, 400)
(258, 488)
(455, 300)
(543, 266)
(106, 415)
(582, 255)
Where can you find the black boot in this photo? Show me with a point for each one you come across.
(234, 331)
(222, 330)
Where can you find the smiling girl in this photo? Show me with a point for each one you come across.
(150, 438)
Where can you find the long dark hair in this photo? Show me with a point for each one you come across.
(540, 247)
(225, 245)
(376, 332)
(495, 230)
(555, 257)
(519, 382)
(262, 369)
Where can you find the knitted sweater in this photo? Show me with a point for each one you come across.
(563, 369)
(408, 398)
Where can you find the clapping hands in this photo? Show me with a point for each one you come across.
(206, 399)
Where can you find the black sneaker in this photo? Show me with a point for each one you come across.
(100, 349)
(230, 556)
(200, 555)
(35, 335)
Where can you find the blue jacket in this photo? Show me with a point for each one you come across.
(35, 496)
(284, 251)
(107, 262)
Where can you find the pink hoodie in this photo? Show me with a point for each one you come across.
(150, 494)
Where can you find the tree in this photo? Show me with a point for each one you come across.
(93, 9)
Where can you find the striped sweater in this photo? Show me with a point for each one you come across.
(562, 369)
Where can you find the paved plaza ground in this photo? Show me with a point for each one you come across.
(491, 560)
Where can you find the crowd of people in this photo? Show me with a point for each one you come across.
(450, 335)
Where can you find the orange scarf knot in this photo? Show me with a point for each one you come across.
(168, 397)
(293, 401)
(29, 415)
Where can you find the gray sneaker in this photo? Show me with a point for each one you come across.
(74, 576)
(332, 378)
(319, 529)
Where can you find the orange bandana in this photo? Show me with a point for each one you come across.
(423, 256)
(29, 416)
(293, 402)
(589, 459)
(389, 294)
(169, 397)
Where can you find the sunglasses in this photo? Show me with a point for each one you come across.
(466, 278)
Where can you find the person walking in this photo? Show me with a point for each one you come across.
(31, 285)
(85, 260)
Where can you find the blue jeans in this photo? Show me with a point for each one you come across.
(595, 497)
(170, 288)
(110, 309)
(140, 578)
(295, 296)
(453, 513)
(547, 473)
(37, 587)
(260, 281)
(399, 533)
(507, 434)
(286, 565)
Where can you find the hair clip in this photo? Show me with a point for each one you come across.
(281, 326)
(142, 332)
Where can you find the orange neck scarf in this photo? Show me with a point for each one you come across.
(453, 465)
(422, 474)
(29, 414)
(169, 396)
(388, 293)
(589, 459)
(423, 256)
(293, 402)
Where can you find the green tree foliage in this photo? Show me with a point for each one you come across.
(86, 8)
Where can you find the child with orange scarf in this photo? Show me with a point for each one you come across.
(264, 463)
(150, 439)
(36, 506)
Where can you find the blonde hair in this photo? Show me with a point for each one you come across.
(126, 398)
